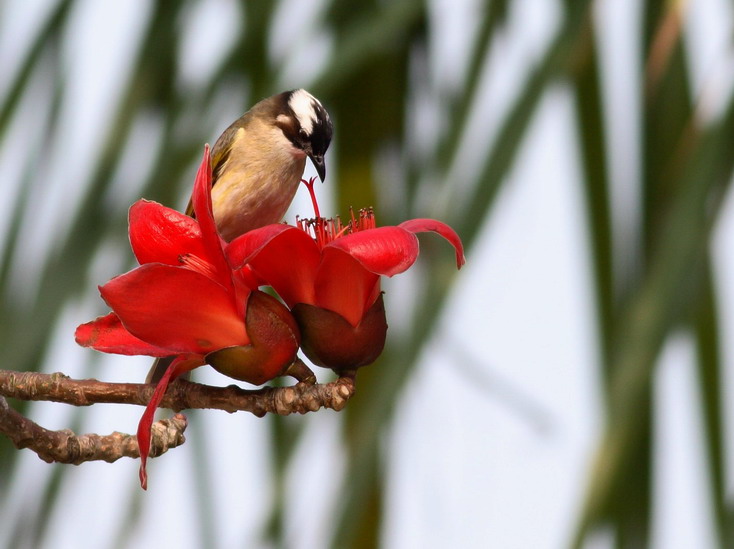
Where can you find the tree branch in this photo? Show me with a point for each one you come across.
(181, 394)
(66, 447)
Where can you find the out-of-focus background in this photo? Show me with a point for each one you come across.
(570, 387)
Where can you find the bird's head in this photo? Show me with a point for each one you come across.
(306, 124)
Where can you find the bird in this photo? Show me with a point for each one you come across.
(257, 165)
(258, 161)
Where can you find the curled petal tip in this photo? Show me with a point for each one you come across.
(425, 225)
(143, 478)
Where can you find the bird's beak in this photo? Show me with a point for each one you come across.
(319, 164)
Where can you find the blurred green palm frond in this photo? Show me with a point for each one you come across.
(375, 79)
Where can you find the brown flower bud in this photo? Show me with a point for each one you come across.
(329, 340)
(275, 339)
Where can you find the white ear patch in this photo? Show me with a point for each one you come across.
(302, 104)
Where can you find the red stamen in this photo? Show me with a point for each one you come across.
(309, 185)
(367, 219)
(342, 231)
(324, 230)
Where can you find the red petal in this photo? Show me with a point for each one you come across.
(162, 235)
(107, 334)
(180, 365)
(385, 250)
(284, 256)
(202, 201)
(424, 225)
(146, 421)
(249, 244)
(344, 286)
(175, 308)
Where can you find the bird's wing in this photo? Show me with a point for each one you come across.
(222, 149)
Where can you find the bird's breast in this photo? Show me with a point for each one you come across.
(255, 187)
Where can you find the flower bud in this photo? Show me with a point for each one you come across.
(275, 340)
(329, 340)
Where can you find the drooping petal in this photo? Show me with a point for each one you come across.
(179, 365)
(285, 257)
(343, 285)
(162, 235)
(108, 335)
(384, 251)
(146, 422)
(202, 201)
(424, 225)
(176, 308)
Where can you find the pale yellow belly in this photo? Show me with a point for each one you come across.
(242, 202)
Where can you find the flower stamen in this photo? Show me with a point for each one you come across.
(309, 185)
(324, 230)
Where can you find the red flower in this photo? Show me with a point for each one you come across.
(185, 300)
(329, 275)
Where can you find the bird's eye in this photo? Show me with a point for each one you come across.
(302, 133)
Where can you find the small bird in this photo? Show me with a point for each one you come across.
(258, 162)
(257, 165)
